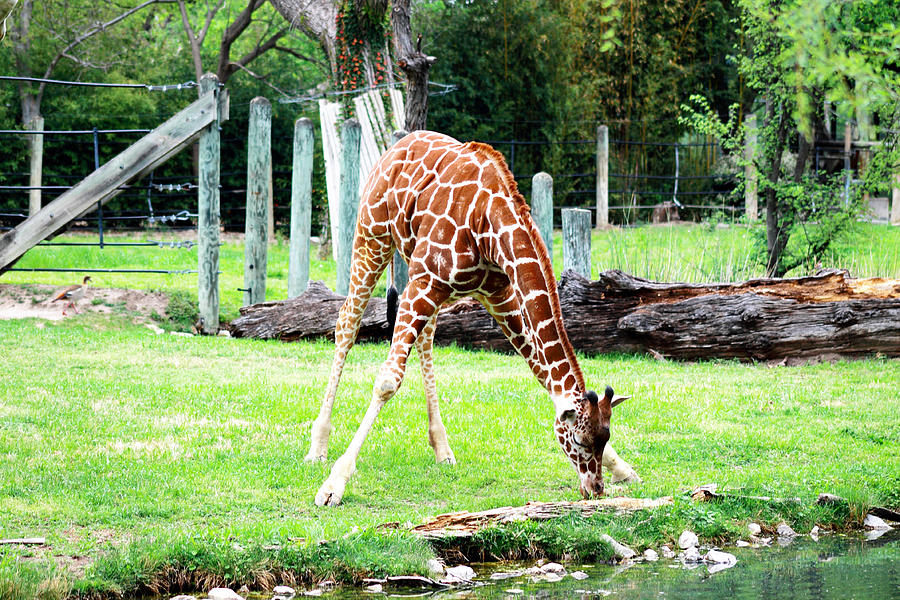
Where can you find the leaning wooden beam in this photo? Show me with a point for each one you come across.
(104, 184)
(830, 315)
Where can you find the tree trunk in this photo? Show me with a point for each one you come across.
(466, 524)
(828, 315)
(317, 19)
(414, 64)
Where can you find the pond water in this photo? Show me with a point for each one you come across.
(837, 567)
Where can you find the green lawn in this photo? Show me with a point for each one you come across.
(110, 434)
(157, 457)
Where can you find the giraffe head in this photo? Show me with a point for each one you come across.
(582, 428)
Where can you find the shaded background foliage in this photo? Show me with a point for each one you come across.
(542, 73)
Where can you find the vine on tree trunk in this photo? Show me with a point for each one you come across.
(362, 36)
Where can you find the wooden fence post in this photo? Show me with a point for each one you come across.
(36, 143)
(895, 200)
(602, 177)
(208, 213)
(542, 207)
(349, 198)
(256, 237)
(576, 230)
(751, 206)
(301, 207)
(401, 269)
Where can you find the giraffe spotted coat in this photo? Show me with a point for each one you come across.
(455, 214)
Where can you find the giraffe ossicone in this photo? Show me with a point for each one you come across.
(455, 214)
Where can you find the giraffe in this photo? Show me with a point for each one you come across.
(455, 214)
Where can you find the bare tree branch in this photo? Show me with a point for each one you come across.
(192, 40)
(262, 48)
(296, 54)
(232, 33)
(89, 34)
(263, 79)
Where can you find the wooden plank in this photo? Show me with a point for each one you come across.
(400, 268)
(398, 112)
(208, 210)
(103, 184)
(36, 144)
(576, 230)
(301, 208)
(329, 112)
(542, 207)
(36, 541)
(602, 177)
(259, 164)
(350, 134)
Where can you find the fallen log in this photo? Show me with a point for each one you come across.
(829, 315)
(466, 524)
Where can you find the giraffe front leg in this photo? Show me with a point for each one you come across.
(621, 471)
(419, 303)
(437, 433)
(369, 260)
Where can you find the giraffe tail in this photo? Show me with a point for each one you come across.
(392, 296)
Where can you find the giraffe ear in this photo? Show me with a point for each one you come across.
(565, 409)
(617, 399)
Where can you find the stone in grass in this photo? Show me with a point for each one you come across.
(687, 539)
(877, 523)
(313, 592)
(435, 567)
(285, 591)
(183, 597)
(375, 588)
(651, 555)
(622, 551)
(784, 530)
(667, 552)
(814, 533)
(754, 528)
(223, 594)
(579, 575)
(458, 574)
(742, 543)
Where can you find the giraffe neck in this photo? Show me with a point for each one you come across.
(522, 255)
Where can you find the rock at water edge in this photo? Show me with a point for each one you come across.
(687, 539)
(223, 594)
(622, 551)
(873, 522)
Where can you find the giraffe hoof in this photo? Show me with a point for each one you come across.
(313, 458)
(629, 477)
(446, 459)
(329, 494)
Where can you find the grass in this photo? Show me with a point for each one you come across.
(156, 463)
(696, 253)
(167, 460)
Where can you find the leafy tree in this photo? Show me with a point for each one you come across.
(86, 34)
(799, 55)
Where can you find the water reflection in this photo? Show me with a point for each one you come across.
(834, 568)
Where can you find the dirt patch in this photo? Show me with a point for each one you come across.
(33, 301)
